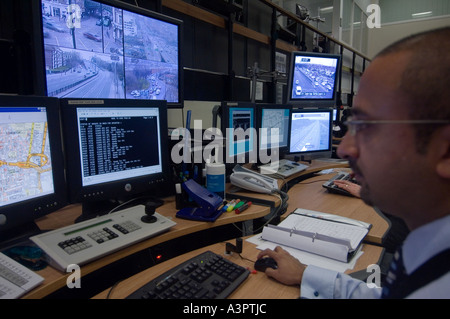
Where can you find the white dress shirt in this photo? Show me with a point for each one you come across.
(420, 245)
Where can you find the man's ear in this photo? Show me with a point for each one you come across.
(443, 166)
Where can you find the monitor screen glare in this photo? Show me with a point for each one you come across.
(95, 50)
(275, 121)
(118, 143)
(310, 132)
(25, 159)
(313, 77)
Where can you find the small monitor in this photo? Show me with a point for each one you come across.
(116, 150)
(239, 128)
(107, 49)
(313, 78)
(273, 122)
(311, 131)
(32, 182)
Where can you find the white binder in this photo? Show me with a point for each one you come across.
(305, 231)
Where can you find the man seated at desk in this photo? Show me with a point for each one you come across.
(398, 145)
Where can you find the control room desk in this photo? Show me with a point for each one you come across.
(55, 280)
(256, 286)
(309, 194)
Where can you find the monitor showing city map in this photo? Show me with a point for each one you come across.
(31, 159)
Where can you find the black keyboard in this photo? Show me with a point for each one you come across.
(205, 276)
(332, 188)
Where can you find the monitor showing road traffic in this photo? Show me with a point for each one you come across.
(310, 131)
(105, 49)
(313, 79)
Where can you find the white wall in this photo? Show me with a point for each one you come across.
(389, 33)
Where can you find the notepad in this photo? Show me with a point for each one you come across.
(303, 230)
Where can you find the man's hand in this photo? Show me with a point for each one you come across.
(289, 271)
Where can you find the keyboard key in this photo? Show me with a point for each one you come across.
(206, 276)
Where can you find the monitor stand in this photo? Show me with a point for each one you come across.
(303, 159)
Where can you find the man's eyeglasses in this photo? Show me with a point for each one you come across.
(354, 126)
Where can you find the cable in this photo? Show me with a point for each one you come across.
(245, 258)
(112, 288)
(123, 204)
(276, 213)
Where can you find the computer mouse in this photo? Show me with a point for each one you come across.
(263, 263)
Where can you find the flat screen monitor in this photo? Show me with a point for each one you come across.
(116, 150)
(108, 49)
(32, 182)
(311, 131)
(273, 122)
(313, 78)
(239, 128)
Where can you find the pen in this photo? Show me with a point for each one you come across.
(231, 207)
(243, 207)
(242, 202)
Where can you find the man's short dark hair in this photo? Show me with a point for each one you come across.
(426, 79)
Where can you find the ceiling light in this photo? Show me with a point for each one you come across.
(422, 14)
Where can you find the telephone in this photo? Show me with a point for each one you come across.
(253, 181)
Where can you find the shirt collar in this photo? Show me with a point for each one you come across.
(425, 242)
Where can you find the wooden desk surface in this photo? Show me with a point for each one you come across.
(305, 197)
(256, 286)
(55, 279)
(309, 194)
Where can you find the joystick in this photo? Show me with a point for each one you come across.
(149, 213)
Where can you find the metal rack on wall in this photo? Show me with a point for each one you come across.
(204, 11)
(300, 43)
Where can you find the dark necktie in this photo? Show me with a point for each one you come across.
(394, 276)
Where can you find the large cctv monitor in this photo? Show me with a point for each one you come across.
(107, 49)
(312, 79)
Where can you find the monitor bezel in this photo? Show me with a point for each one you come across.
(260, 107)
(310, 102)
(330, 128)
(27, 211)
(122, 189)
(40, 82)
